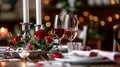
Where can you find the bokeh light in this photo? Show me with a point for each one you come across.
(102, 23)
(110, 19)
(48, 24)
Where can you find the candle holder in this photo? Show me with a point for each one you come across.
(24, 54)
(26, 32)
(38, 27)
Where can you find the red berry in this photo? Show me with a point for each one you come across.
(57, 55)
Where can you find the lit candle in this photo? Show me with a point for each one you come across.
(38, 12)
(25, 11)
(3, 31)
(24, 54)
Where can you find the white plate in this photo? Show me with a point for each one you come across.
(83, 60)
(77, 58)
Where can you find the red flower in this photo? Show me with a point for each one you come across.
(30, 46)
(49, 39)
(40, 34)
(15, 39)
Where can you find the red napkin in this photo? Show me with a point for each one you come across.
(83, 53)
(113, 56)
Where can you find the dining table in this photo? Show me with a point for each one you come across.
(33, 64)
(45, 61)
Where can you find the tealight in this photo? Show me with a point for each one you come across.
(24, 54)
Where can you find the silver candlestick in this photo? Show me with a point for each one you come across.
(38, 27)
(26, 32)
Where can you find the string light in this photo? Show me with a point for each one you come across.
(95, 18)
(102, 23)
(81, 19)
(48, 24)
(117, 16)
(46, 2)
(47, 18)
(110, 19)
(85, 13)
(91, 17)
(112, 2)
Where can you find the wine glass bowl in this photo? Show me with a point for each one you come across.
(71, 27)
(59, 30)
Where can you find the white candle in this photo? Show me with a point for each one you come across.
(25, 11)
(38, 12)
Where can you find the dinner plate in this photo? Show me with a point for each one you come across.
(83, 60)
(77, 58)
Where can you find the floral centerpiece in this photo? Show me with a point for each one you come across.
(40, 41)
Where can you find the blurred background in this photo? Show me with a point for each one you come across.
(99, 15)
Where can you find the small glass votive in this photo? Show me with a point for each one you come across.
(24, 54)
(74, 46)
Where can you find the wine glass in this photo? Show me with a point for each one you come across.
(59, 30)
(71, 27)
(116, 36)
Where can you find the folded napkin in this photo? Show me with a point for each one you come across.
(83, 53)
(113, 56)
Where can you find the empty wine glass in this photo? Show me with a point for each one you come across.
(59, 30)
(71, 27)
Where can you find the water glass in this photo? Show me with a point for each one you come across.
(74, 46)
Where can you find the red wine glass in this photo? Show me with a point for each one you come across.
(59, 30)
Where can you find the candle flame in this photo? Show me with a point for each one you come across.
(2, 29)
(3, 32)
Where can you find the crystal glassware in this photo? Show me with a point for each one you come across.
(24, 54)
(71, 27)
(59, 30)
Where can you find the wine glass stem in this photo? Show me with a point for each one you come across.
(59, 41)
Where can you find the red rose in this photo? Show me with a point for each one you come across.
(40, 34)
(15, 39)
(49, 39)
